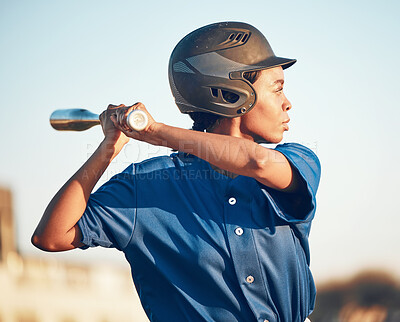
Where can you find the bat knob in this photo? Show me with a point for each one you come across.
(137, 120)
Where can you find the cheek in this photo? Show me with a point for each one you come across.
(270, 111)
(265, 115)
(275, 108)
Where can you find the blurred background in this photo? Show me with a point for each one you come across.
(88, 54)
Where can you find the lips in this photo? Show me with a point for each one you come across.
(285, 124)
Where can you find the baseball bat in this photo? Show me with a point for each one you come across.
(78, 119)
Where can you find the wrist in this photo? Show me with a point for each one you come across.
(154, 134)
(110, 148)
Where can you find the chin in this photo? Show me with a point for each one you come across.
(273, 138)
(270, 140)
(276, 138)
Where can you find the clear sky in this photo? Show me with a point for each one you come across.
(87, 54)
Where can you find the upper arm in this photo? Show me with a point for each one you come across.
(70, 240)
(275, 171)
(109, 217)
(74, 238)
(290, 168)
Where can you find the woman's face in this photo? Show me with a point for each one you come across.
(269, 118)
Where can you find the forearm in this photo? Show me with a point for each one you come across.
(56, 228)
(237, 155)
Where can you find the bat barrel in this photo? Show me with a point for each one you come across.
(73, 119)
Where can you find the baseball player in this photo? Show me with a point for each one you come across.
(217, 231)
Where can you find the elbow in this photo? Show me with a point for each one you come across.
(38, 242)
(43, 243)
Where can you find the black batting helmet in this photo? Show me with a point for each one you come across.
(211, 60)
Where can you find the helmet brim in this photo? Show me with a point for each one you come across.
(272, 62)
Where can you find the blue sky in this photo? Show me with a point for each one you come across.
(69, 54)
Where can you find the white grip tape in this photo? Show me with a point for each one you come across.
(137, 120)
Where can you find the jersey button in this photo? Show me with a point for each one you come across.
(239, 231)
(232, 201)
(249, 279)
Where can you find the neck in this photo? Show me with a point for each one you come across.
(231, 127)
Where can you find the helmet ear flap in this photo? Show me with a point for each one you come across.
(221, 96)
(229, 97)
(224, 96)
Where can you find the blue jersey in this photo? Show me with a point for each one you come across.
(205, 247)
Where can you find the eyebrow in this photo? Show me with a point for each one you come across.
(281, 81)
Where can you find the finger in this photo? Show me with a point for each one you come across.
(103, 116)
(121, 118)
(114, 119)
(138, 106)
(111, 106)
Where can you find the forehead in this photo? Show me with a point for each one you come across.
(271, 76)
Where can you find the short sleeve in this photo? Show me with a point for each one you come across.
(298, 207)
(109, 217)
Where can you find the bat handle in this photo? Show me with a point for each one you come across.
(80, 120)
(137, 120)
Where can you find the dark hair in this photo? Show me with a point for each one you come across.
(203, 121)
(252, 76)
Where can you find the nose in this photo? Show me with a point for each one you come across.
(286, 106)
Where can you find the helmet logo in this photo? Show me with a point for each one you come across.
(235, 38)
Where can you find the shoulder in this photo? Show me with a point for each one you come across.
(155, 163)
(176, 161)
(296, 149)
(304, 160)
(299, 153)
